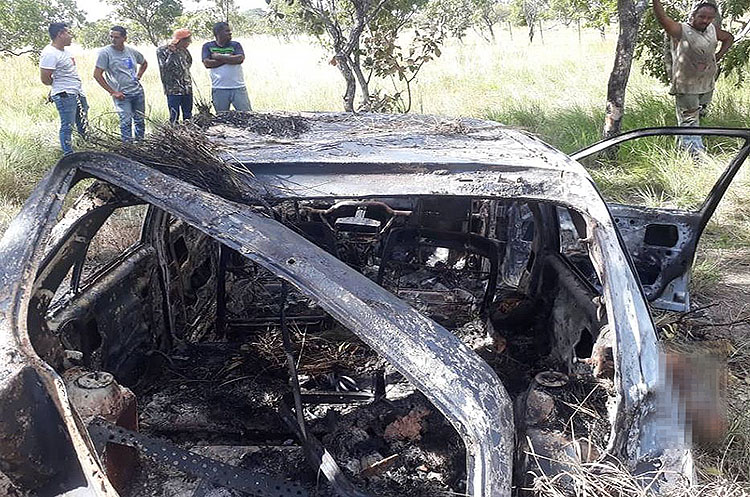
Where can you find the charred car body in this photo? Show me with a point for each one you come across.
(409, 305)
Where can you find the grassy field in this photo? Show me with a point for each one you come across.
(555, 90)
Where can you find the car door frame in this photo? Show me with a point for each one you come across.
(670, 288)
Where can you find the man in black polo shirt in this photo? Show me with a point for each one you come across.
(223, 57)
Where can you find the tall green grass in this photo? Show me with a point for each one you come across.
(555, 90)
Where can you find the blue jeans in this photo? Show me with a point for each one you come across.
(177, 102)
(222, 97)
(132, 111)
(73, 109)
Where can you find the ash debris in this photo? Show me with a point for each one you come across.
(262, 124)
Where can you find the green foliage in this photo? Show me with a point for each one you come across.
(199, 22)
(387, 59)
(280, 20)
(389, 54)
(369, 40)
(527, 12)
(600, 13)
(226, 10)
(488, 13)
(250, 22)
(96, 34)
(568, 11)
(154, 17)
(244, 23)
(24, 23)
(734, 9)
(653, 46)
(594, 14)
(736, 60)
(448, 17)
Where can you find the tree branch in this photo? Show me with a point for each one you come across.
(8, 51)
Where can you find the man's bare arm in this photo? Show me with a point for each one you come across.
(673, 29)
(211, 63)
(142, 69)
(229, 59)
(726, 40)
(46, 76)
(99, 77)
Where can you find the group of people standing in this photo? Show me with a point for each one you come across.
(119, 69)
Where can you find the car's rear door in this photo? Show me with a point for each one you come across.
(662, 241)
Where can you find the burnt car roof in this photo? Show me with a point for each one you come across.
(383, 138)
(358, 155)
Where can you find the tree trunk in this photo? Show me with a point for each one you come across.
(342, 62)
(529, 13)
(152, 37)
(541, 32)
(629, 14)
(364, 85)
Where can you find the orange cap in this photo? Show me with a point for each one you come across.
(180, 34)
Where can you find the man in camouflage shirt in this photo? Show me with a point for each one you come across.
(174, 66)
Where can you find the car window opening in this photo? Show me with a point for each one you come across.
(182, 338)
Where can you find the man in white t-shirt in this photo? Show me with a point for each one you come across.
(58, 70)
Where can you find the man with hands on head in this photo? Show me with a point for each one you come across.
(119, 70)
(694, 59)
(223, 58)
(174, 67)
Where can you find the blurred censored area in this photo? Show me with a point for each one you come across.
(697, 380)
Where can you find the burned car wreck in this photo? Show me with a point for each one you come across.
(389, 306)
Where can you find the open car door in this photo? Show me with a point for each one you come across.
(662, 241)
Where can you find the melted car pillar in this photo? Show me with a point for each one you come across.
(36, 417)
(645, 426)
(454, 378)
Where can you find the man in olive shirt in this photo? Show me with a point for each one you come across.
(174, 67)
(119, 70)
(223, 57)
(694, 59)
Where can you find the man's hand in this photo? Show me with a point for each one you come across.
(210, 63)
(726, 39)
(141, 70)
(99, 77)
(673, 29)
(228, 58)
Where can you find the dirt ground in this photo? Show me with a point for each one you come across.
(720, 322)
